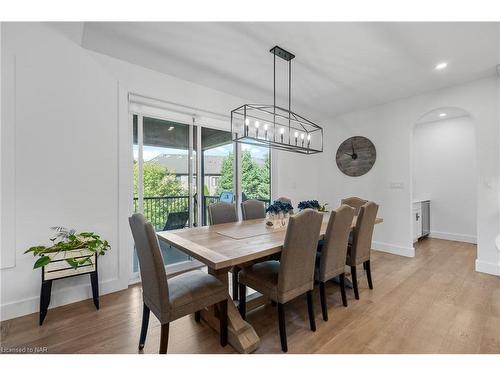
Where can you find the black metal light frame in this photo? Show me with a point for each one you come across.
(281, 129)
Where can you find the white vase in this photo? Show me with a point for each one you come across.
(287, 218)
(278, 220)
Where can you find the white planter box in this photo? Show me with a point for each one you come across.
(59, 267)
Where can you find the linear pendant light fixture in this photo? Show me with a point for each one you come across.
(273, 126)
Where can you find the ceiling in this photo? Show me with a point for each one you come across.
(339, 67)
(442, 114)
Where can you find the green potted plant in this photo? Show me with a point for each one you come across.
(78, 250)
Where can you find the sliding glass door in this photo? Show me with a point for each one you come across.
(166, 169)
(217, 169)
(161, 178)
(255, 173)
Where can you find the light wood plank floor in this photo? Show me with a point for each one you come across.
(433, 303)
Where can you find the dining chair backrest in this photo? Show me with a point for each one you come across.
(354, 202)
(296, 275)
(363, 232)
(334, 249)
(253, 209)
(284, 200)
(221, 213)
(153, 275)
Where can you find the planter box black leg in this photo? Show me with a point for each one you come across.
(95, 288)
(44, 299)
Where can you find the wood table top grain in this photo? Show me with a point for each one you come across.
(225, 245)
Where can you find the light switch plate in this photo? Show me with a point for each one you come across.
(397, 185)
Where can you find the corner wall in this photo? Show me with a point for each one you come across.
(66, 154)
(390, 127)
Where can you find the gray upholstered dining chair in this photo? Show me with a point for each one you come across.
(176, 297)
(359, 250)
(354, 202)
(290, 277)
(221, 213)
(284, 200)
(331, 258)
(253, 209)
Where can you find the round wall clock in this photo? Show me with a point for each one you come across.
(356, 156)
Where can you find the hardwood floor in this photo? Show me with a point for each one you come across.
(433, 303)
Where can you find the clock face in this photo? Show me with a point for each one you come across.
(356, 156)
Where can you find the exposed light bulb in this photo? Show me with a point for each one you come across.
(257, 124)
(442, 115)
(309, 137)
(282, 130)
(247, 121)
(266, 126)
(441, 66)
(302, 135)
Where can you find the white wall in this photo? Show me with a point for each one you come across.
(61, 133)
(444, 171)
(390, 127)
(66, 154)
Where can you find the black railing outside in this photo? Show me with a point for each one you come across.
(156, 209)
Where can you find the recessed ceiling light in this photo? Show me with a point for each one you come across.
(441, 66)
(442, 115)
(171, 128)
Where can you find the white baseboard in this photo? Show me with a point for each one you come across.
(489, 268)
(58, 298)
(393, 249)
(453, 237)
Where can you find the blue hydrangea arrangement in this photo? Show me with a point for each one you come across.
(279, 206)
(314, 204)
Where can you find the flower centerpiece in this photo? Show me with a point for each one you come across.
(278, 214)
(313, 204)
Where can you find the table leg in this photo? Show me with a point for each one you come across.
(241, 334)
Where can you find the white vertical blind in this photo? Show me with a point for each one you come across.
(199, 178)
(140, 164)
(176, 112)
(190, 172)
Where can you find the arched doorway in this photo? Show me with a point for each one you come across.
(443, 176)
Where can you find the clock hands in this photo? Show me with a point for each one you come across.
(354, 156)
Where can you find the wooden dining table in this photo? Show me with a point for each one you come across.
(220, 247)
